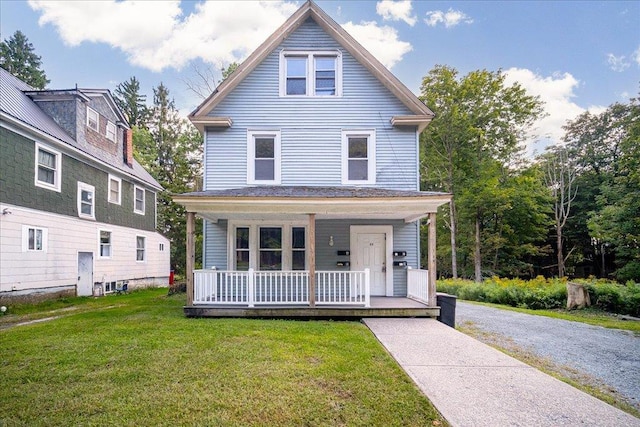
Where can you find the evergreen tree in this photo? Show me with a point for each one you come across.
(17, 57)
(170, 149)
(131, 102)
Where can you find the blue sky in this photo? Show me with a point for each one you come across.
(576, 55)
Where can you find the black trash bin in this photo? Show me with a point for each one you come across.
(447, 304)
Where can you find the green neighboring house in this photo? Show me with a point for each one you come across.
(77, 212)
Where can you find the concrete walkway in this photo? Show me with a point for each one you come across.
(472, 384)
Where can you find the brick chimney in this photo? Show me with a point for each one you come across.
(127, 147)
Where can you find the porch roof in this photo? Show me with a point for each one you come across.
(291, 202)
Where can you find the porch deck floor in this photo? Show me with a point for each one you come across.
(380, 307)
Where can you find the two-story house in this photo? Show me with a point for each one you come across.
(311, 191)
(77, 212)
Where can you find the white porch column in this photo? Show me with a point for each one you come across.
(431, 259)
(312, 260)
(191, 254)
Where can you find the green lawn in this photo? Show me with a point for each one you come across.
(136, 360)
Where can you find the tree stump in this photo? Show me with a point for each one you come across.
(577, 296)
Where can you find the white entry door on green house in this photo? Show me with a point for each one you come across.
(369, 246)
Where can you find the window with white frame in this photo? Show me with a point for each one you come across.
(115, 190)
(48, 168)
(242, 249)
(316, 73)
(34, 239)
(111, 131)
(138, 200)
(141, 249)
(86, 200)
(92, 119)
(358, 157)
(268, 247)
(263, 157)
(105, 243)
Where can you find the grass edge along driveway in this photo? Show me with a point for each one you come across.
(136, 360)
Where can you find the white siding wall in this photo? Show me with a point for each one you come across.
(311, 127)
(66, 237)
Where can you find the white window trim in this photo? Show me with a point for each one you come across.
(119, 181)
(111, 125)
(58, 173)
(25, 238)
(100, 256)
(145, 249)
(254, 242)
(371, 155)
(86, 187)
(91, 111)
(251, 160)
(144, 200)
(311, 72)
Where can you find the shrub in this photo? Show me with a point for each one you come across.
(541, 293)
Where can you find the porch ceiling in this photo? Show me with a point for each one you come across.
(282, 202)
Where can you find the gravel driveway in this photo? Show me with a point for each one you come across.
(610, 356)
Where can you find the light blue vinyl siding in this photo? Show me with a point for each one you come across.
(405, 237)
(311, 127)
(215, 245)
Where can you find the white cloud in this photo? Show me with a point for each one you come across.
(450, 18)
(396, 11)
(636, 56)
(382, 42)
(156, 35)
(617, 63)
(557, 93)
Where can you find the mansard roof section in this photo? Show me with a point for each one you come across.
(331, 27)
(18, 108)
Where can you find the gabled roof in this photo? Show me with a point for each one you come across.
(20, 110)
(422, 114)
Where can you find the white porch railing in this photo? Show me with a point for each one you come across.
(343, 287)
(418, 285)
(253, 288)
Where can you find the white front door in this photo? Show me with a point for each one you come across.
(85, 274)
(371, 254)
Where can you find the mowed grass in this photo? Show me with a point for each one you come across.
(135, 360)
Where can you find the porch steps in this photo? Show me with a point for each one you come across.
(380, 307)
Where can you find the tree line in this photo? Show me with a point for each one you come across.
(573, 210)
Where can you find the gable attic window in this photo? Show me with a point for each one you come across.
(111, 131)
(263, 157)
(315, 74)
(48, 168)
(92, 119)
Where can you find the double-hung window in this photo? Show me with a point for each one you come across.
(138, 200)
(316, 73)
(358, 157)
(111, 131)
(141, 244)
(105, 243)
(92, 119)
(34, 239)
(242, 249)
(115, 185)
(48, 168)
(86, 200)
(263, 157)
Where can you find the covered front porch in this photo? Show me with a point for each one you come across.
(311, 252)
